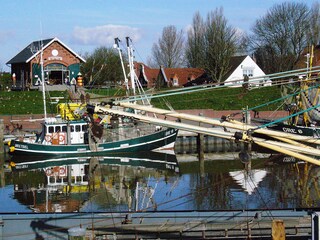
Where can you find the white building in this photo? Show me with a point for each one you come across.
(242, 66)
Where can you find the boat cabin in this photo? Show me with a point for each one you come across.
(57, 132)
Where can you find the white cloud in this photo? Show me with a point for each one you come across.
(104, 35)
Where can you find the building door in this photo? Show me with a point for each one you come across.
(56, 74)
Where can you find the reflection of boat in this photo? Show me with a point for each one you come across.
(76, 131)
(248, 180)
(67, 184)
(150, 159)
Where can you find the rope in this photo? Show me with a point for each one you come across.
(290, 116)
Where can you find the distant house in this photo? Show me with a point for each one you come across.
(61, 64)
(241, 66)
(147, 76)
(177, 77)
(166, 77)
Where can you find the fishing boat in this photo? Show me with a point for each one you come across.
(75, 138)
(74, 131)
(301, 98)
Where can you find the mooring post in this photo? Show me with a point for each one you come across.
(200, 153)
(200, 149)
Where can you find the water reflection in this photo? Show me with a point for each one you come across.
(155, 181)
(87, 183)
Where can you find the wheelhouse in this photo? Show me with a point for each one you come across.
(64, 133)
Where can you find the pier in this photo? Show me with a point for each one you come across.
(253, 224)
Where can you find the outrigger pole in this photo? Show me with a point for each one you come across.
(225, 122)
(295, 150)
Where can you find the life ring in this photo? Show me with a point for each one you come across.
(48, 138)
(61, 138)
(62, 171)
(49, 172)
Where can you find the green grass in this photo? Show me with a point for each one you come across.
(25, 102)
(223, 99)
(12, 103)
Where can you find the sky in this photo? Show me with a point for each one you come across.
(84, 25)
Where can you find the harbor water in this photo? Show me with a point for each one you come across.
(157, 182)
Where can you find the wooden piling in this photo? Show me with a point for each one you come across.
(200, 149)
(278, 230)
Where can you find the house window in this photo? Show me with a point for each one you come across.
(248, 72)
(175, 82)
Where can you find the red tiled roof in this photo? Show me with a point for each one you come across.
(150, 73)
(183, 74)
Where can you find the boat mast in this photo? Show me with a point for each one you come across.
(130, 58)
(42, 81)
(116, 45)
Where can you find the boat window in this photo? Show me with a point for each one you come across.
(72, 128)
(84, 128)
(50, 129)
(78, 128)
(64, 128)
(58, 128)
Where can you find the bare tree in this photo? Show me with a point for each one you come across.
(220, 44)
(314, 33)
(281, 35)
(169, 51)
(212, 43)
(195, 55)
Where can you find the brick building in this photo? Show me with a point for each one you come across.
(61, 65)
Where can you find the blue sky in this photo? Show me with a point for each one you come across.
(84, 25)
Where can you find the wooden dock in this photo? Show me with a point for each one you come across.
(255, 224)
